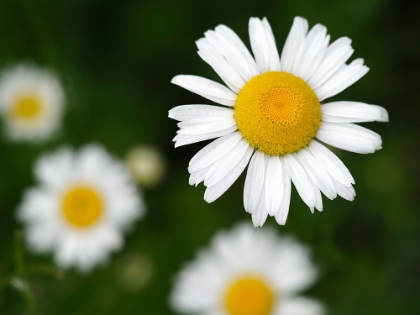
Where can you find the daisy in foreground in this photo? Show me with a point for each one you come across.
(80, 209)
(31, 102)
(247, 272)
(273, 114)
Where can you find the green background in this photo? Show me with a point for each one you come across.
(116, 59)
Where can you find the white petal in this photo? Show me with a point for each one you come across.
(281, 216)
(342, 79)
(41, 237)
(300, 306)
(352, 112)
(318, 195)
(66, 252)
(332, 163)
(225, 71)
(293, 43)
(300, 180)
(181, 139)
(189, 128)
(345, 192)
(187, 112)
(205, 120)
(335, 57)
(294, 271)
(231, 53)
(224, 165)
(263, 45)
(197, 177)
(337, 44)
(91, 163)
(259, 216)
(254, 181)
(349, 137)
(213, 152)
(39, 205)
(273, 185)
(206, 88)
(237, 42)
(274, 62)
(317, 173)
(56, 168)
(258, 44)
(312, 52)
(214, 192)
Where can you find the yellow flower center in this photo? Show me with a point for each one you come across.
(277, 113)
(249, 296)
(82, 206)
(27, 108)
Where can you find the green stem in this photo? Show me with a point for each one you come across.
(44, 269)
(19, 282)
(30, 299)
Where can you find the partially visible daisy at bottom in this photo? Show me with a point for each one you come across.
(247, 272)
(31, 103)
(83, 204)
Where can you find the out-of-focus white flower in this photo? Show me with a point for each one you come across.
(31, 102)
(272, 117)
(147, 165)
(82, 206)
(247, 272)
(134, 272)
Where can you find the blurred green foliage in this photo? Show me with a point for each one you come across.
(116, 59)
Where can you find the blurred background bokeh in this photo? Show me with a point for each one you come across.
(115, 60)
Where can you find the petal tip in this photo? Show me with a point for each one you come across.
(175, 79)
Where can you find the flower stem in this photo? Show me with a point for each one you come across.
(44, 269)
(19, 282)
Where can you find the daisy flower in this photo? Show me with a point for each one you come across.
(81, 207)
(31, 102)
(247, 272)
(273, 117)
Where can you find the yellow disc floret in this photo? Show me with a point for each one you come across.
(249, 296)
(277, 113)
(82, 206)
(26, 108)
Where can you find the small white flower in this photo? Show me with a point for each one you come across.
(134, 272)
(31, 102)
(80, 209)
(247, 272)
(147, 165)
(273, 114)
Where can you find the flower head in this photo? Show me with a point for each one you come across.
(247, 272)
(273, 118)
(31, 102)
(80, 209)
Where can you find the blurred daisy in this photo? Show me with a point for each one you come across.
(247, 272)
(273, 115)
(147, 165)
(31, 102)
(80, 209)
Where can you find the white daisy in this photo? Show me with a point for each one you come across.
(31, 102)
(247, 272)
(80, 209)
(273, 115)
